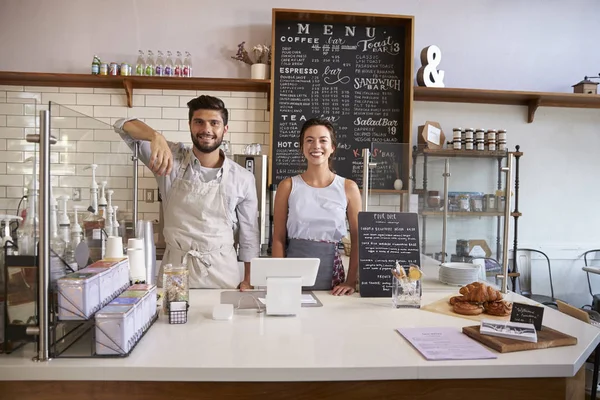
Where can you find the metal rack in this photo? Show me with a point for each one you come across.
(502, 241)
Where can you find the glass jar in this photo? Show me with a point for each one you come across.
(176, 285)
(433, 199)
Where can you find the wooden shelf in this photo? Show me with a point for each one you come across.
(532, 100)
(464, 213)
(130, 83)
(462, 153)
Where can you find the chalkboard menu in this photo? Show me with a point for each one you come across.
(383, 239)
(352, 74)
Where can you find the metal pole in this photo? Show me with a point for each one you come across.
(446, 176)
(44, 255)
(134, 158)
(365, 191)
(508, 171)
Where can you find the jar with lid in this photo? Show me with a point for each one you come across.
(489, 202)
(502, 140)
(500, 200)
(480, 139)
(457, 138)
(491, 139)
(433, 199)
(469, 139)
(462, 248)
(176, 284)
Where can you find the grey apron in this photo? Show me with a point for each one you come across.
(325, 251)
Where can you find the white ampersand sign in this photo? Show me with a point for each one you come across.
(428, 75)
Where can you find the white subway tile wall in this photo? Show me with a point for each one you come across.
(81, 121)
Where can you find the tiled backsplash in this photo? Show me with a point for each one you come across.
(82, 119)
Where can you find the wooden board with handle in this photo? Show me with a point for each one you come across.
(547, 338)
(442, 306)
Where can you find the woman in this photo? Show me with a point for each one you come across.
(310, 212)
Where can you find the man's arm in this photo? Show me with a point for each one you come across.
(158, 156)
(249, 234)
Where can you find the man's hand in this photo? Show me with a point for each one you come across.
(245, 285)
(161, 158)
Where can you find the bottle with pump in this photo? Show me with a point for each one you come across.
(102, 200)
(76, 237)
(169, 68)
(115, 223)
(187, 65)
(108, 216)
(29, 231)
(7, 243)
(178, 65)
(159, 70)
(57, 246)
(140, 64)
(93, 223)
(64, 230)
(150, 64)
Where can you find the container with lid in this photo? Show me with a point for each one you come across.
(78, 295)
(115, 329)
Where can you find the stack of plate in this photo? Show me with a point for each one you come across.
(459, 274)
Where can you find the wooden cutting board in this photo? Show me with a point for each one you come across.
(547, 338)
(443, 307)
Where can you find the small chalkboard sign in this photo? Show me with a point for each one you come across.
(388, 158)
(528, 314)
(383, 239)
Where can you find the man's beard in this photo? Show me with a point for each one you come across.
(206, 148)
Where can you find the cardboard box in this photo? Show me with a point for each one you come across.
(431, 135)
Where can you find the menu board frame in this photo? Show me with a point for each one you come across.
(282, 16)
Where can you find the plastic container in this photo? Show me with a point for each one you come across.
(115, 329)
(78, 295)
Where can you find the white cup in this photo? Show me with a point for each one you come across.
(114, 247)
(135, 243)
(137, 264)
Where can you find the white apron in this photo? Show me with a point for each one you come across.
(198, 231)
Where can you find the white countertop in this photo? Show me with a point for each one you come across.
(349, 338)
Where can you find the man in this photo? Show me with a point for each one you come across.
(208, 200)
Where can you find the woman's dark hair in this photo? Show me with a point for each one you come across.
(205, 102)
(319, 122)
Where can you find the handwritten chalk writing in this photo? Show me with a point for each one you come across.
(377, 84)
(380, 122)
(304, 71)
(335, 73)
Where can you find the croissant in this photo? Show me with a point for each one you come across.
(480, 293)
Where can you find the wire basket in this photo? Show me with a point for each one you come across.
(178, 312)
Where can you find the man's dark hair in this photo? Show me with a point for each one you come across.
(319, 122)
(205, 102)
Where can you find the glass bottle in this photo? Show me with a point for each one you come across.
(140, 65)
(178, 65)
(187, 65)
(29, 231)
(159, 70)
(149, 71)
(96, 65)
(169, 68)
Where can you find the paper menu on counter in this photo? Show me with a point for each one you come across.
(445, 344)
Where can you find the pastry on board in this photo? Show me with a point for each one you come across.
(477, 297)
